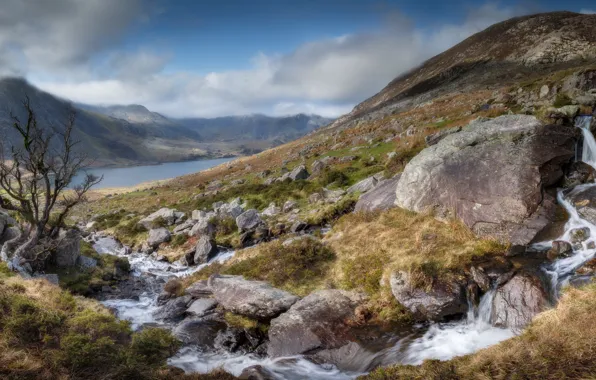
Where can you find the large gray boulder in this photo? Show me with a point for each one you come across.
(518, 301)
(491, 175)
(168, 214)
(443, 299)
(254, 299)
(203, 226)
(319, 321)
(382, 197)
(204, 250)
(158, 236)
(199, 331)
(201, 307)
(68, 250)
(248, 220)
(364, 186)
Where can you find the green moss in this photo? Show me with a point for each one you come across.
(159, 222)
(562, 100)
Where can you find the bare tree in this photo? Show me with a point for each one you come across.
(35, 178)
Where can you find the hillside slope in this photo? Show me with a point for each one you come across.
(509, 52)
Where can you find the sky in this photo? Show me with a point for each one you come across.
(209, 58)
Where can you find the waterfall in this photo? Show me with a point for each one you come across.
(561, 270)
(589, 148)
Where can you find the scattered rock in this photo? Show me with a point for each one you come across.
(299, 172)
(158, 236)
(254, 299)
(271, 210)
(289, 206)
(441, 301)
(317, 167)
(203, 227)
(169, 215)
(249, 220)
(204, 250)
(198, 214)
(319, 321)
(579, 235)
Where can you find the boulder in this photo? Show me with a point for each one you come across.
(319, 321)
(198, 214)
(559, 249)
(314, 198)
(204, 250)
(199, 331)
(201, 307)
(184, 227)
(169, 215)
(364, 186)
(480, 278)
(68, 250)
(173, 309)
(518, 301)
(382, 197)
(584, 200)
(254, 299)
(298, 226)
(443, 299)
(579, 235)
(333, 196)
(248, 220)
(202, 227)
(299, 172)
(158, 236)
(492, 176)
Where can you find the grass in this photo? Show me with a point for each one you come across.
(46, 333)
(369, 246)
(558, 344)
(329, 213)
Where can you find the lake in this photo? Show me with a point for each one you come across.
(134, 175)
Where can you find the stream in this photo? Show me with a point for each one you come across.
(430, 341)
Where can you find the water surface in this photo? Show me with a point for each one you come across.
(134, 175)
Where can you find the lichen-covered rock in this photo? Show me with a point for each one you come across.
(443, 299)
(202, 227)
(491, 175)
(254, 299)
(204, 250)
(201, 307)
(158, 236)
(319, 321)
(168, 214)
(518, 301)
(271, 210)
(248, 220)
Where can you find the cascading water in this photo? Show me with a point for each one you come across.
(561, 270)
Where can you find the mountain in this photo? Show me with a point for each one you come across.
(131, 134)
(509, 52)
(255, 127)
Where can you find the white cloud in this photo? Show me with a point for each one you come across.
(327, 77)
(588, 11)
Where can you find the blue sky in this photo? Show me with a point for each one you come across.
(213, 58)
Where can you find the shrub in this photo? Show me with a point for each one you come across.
(335, 177)
(153, 345)
(178, 240)
(174, 286)
(159, 222)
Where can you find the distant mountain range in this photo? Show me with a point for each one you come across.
(132, 134)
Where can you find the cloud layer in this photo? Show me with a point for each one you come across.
(69, 54)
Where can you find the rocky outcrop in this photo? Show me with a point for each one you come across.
(204, 250)
(443, 299)
(170, 216)
(518, 301)
(199, 289)
(199, 331)
(491, 175)
(271, 210)
(201, 307)
(436, 137)
(158, 236)
(299, 172)
(382, 197)
(254, 299)
(319, 321)
(202, 227)
(249, 220)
